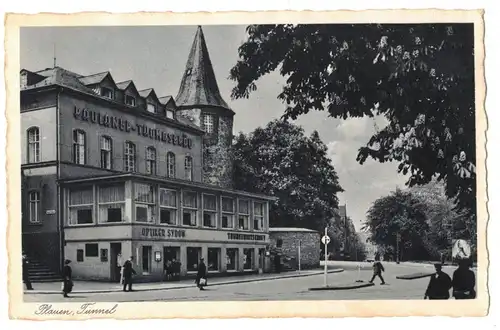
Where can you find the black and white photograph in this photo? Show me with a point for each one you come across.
(284, 161)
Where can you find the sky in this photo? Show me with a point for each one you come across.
(155, 57)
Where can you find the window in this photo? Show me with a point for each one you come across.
(147, 255)
(248, 256)
(33, 145)
(258, 216)
(111, 203)
(129, 158)
(189, 208)
(107, 93)
(79, 255)
(144, 202)
(24, 80)
(213, 259)
(208, 123)
(170, 114)
(279, 242)
(188, 168)
(232, 259)
(151, 108)
(151, 160)
(92, 250)
(243, 214)
(81, 206)
(130, 100)
(79, 138)
(106, 152)
(168, 206)
(193, 257)
(209, 211)
(34, 200)
(227, 212)
(170, 165)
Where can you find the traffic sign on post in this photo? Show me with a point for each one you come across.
(325, 239)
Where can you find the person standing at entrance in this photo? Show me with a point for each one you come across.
(439, 285)
(201, 276)
(26, 275)
(128, 271)
(378, 268)
(67, 278)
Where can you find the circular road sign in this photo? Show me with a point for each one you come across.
(325, 239)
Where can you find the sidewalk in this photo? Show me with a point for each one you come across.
(104, 287)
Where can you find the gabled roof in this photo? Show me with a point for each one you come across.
(198, 85)
(165, 99)
(145, 93)
(124, 85)
(95, 78)
(60, 76)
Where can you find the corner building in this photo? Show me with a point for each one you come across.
(111, 171)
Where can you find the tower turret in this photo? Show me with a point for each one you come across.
(199, 100)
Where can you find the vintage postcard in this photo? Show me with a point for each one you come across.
(271, 164)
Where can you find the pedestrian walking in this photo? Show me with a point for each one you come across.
(378, 268)
(26, 275)
(201, 276)
(464, 281)
(128, 271)
(67, 285)
(439, 285)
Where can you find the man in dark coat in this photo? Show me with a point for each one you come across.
(439, 285)
(128, 271)
(26, 276)
(202, 273)
(464, 281)
(377, 270)
(67, 278)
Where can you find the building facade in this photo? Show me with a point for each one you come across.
(110, 171)
(288, 241)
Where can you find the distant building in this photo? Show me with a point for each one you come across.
(287, 241)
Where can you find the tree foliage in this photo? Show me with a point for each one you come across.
(419, 77)
(281, 161)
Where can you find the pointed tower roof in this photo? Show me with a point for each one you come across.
(198, 85)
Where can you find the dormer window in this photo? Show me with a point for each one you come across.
(107, 93)
(24, 80)
(151, 108)
(130, 100)
(170, 114)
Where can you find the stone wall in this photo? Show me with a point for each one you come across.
(309, 250)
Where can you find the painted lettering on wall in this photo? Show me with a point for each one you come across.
(124, 125)
(160, 232)
(246, 237)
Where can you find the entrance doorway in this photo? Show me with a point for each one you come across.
(115, 255)
(171, 262)
(146, 259)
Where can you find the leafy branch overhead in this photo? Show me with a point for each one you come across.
(419, 77)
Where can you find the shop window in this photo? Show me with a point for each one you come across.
(258, 216)
(189, 208)
(248, 257)
(33, 145)
(106, 152)
(130, 100)
(213, 262)
(170, 165)
(81, 206)
(111, 203)
(146, 259)
(79, 147)
(188, 168)
(129, 157)
(151, 108)
(227, 212)
(209, 211)
(34, 211)
(193, 258)
(144, 202)
(243, 214)
(232, 259)
(92, 250)
(168, 206)
(151, 160)
(79, 255)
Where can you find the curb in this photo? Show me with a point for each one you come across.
(414, 276)
(338, 270)
(342, 287)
